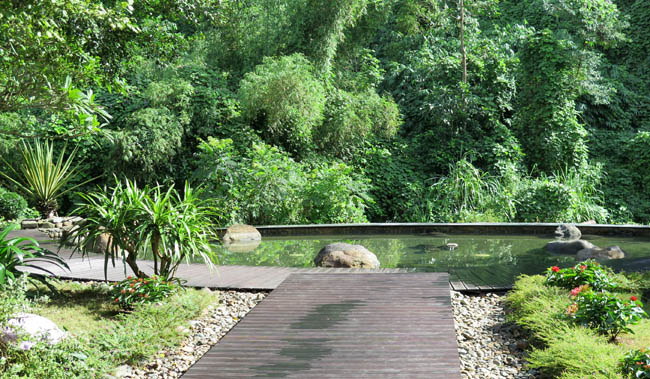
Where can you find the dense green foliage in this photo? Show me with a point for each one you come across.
(131, 291)
(345, 111)
(12, 205)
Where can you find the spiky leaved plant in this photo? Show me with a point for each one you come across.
(42, 177)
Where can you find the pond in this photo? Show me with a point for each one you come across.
(493, 260)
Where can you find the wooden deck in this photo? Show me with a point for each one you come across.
(343, 326)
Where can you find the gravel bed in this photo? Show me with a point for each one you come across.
(202, 334)
(489, 346)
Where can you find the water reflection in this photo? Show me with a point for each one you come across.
(481, 260)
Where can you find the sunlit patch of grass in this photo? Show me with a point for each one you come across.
(75, 307)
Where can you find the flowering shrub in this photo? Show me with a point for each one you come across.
(588, 272)
(604, 312)
(636, 364)
(131, 291)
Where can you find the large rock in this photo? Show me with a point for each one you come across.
(37, 328)
(346, 255)
(568, 247)
(241, 233)
(242, 246)
(568, 231)
(612, 252)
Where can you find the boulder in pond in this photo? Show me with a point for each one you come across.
(240, 233)
(612, 252)
(568, 247)
(568, 231)
(346, 255)
(242, 246)
(36, 327)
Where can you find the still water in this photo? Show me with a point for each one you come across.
(494, 260)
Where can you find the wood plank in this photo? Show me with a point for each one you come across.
(334, 325)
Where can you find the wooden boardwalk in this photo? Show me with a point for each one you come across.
(343, 326)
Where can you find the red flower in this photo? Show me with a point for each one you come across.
(131, 290)
(132, 285)
(633, 298)
(646, 367)
(639, 363)
(116, 299)
(123, 291)
(576, 291)
(129, 277)
(582, 267)
(555, 269)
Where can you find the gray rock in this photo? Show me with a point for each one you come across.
(38, 328)
(241, 233)
(568, 231)
(568, 247)
(46, 225)
(29, 224)
(611, 252)
(242, 246)
(346, 255)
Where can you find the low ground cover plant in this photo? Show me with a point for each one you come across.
(132, 291)
(581, 331)
(101, 336)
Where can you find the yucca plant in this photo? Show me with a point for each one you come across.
(149, 221)
(24, 252)
(42, 177)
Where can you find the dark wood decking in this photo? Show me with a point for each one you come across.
(343, 326)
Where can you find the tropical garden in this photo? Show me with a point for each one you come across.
(160, 120)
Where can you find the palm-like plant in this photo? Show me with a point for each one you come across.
(146, 221)
(24, 252)
(42, 177)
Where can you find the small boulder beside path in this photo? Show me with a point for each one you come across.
(38, 328)
(346, 255)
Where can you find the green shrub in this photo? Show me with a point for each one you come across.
(588, 272)
(284, 100)
(636, 364)
(132, 291)
(12, 205)
(352, 119)
(263, 186)
(605, 312)
(172, 227)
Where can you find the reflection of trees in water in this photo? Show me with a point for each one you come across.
(300, 253)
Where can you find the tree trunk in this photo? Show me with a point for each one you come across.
(463, 53)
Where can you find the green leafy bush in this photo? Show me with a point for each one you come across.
(132, 291)
(605, 312)
(588, 272)
(263, 185)
(284, 100)
(352, 119)
(636, 364)
(12, 205)
(134, 220)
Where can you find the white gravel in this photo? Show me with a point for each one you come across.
(489, 346)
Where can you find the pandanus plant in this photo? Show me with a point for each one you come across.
(42, 177)
(137, 223)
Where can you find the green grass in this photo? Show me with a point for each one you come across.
(562, 349)
(102, 338)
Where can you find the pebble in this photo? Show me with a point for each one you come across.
(203, 333)
(488, 345)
